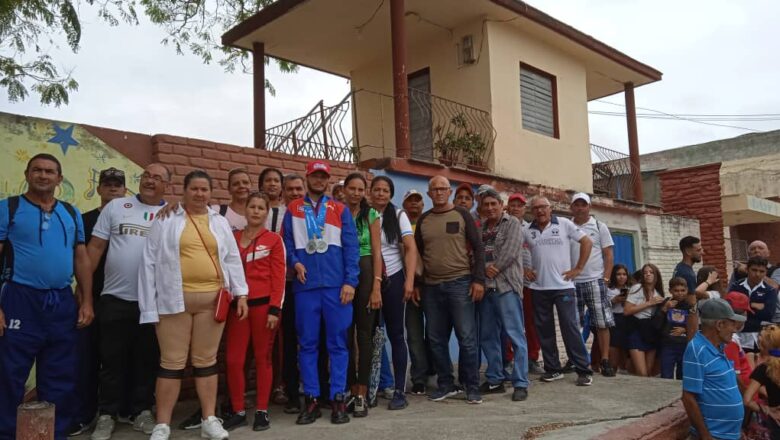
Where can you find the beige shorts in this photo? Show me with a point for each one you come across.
(192, 333)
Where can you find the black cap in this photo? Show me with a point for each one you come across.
(112, 174)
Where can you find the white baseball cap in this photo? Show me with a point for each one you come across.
(581, 196)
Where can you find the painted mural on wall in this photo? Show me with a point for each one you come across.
(82, 155)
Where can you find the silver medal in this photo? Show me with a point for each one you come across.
(311, 247)
(322, 246)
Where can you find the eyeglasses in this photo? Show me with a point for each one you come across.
(46, 221)
(147, 176)
(439, 190)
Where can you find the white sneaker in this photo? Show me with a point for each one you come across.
(161, 431)
(144, 422)
(104, 428)
(211, 429)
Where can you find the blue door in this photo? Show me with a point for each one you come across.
(624, 250)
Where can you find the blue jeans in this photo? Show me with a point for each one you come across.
(503, 311)
(448, 305)
(672, 360)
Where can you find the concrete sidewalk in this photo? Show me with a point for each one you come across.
(558, 410)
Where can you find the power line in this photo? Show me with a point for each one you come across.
(745, 118)
(682, 118)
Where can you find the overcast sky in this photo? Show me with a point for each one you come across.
(717, 57)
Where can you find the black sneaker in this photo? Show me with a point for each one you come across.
(262, 422)
(489, 388)
(398, 401)
(568, 367)
(338, 413)
(551, 376)
(311, 411)
(418, 389)
(361, 407)
(191, 422)
(534, 367)
(473, 397)
(233, 420)
(584, 380)
(293, 406)
(519, 394)
(606, 369)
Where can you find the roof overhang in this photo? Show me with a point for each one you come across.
(743, 209)
(341, 36)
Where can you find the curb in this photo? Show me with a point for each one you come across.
(667, 424)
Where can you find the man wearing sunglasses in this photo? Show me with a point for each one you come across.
(43, 246)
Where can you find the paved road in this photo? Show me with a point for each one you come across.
(618, 400)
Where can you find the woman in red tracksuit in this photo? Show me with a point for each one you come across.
(263, 257)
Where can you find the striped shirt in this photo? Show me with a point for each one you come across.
(709, 375)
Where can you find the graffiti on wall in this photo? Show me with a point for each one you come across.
(82, 155)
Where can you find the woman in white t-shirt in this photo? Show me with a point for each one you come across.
(399, 253)
(239, 187)
(640, 304)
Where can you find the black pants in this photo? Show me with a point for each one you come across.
(361, 333)
(290, 372)
(129, 357)
(86, 398)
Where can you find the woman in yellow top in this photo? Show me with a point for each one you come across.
(188, 258)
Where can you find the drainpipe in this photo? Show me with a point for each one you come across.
(633, 142)
(400, 82)
(258, 90)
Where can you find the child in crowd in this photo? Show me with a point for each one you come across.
(671, 319)
(617, 292)
(767, 375)
(741, 306)
(707, 283)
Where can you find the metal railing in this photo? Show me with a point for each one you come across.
(611, 173)
(440, 129)
(325, 132)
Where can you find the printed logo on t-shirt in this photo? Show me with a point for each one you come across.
(261, 251)
(128, 205)
(555, 232)
(131, 229)
(148, 216)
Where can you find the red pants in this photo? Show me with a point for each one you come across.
(238, 336)
(530, 326)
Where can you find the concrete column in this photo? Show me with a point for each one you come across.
(258, 89)
(400, 82)
(633, 142)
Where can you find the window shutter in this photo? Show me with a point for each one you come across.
(536, 100)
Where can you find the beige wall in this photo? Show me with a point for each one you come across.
(468, 84)
(661, 239)
(756, 176)
(525, 155)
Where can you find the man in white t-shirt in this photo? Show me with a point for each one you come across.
(591, 283)
(129, 354)
(551, 275)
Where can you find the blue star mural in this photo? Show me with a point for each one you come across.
(63, 137)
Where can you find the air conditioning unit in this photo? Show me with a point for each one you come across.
(467, 50)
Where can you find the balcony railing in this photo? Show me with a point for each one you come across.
(611, 173)
(440, 129)
(325, 132)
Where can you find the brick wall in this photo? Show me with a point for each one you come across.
(661, 237)
(183, 155)
(695, 192)
(766, 232)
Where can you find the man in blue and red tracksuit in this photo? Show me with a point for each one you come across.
(322, 246)
(42, 245)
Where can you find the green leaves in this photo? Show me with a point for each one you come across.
(29, 27)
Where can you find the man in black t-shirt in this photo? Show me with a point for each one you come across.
(691, 251)
(111, 185)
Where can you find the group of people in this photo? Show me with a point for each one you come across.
(314, 281)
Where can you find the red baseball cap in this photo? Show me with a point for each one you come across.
(739, 302)
(465, 187)
(518, 196)
(317, 165)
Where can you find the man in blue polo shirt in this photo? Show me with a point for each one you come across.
(43, 245)
(710, 393)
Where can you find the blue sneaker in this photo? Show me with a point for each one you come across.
(398, 401)
(440, 394)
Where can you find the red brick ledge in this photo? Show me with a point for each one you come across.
(670, 423)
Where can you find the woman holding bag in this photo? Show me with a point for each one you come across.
(263, 258)
(189, 260)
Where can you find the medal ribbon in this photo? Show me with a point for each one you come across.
(315, 226)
